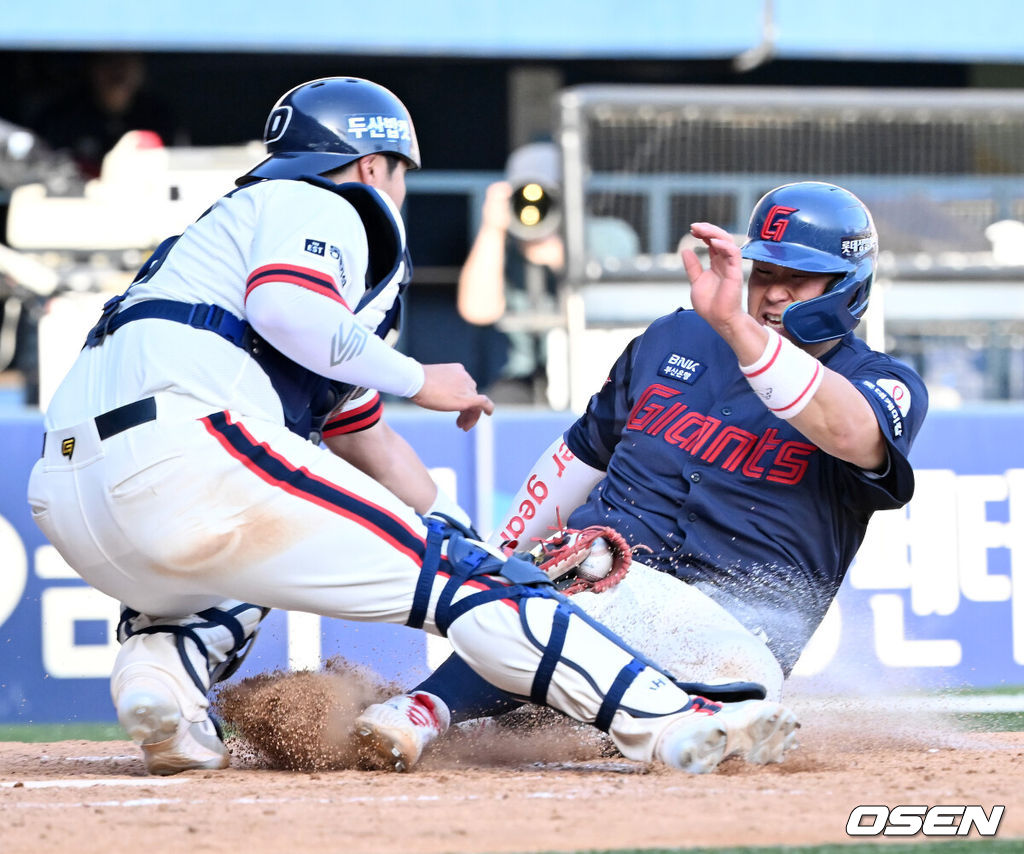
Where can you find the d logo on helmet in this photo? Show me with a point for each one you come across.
(775, 223)
(277, 124)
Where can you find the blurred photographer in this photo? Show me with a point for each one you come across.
(511, 276)
(107, 98)
(515, 274)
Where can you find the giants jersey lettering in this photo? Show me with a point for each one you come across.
(720, 490)
(659, 412)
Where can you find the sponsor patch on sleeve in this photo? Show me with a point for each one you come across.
(315, 247)
(679, 367)
(899, 393)
(890, 391)
(336, 255)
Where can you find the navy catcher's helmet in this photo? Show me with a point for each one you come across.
(817, 228)
(326, 124)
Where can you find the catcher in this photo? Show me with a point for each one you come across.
(741, 453)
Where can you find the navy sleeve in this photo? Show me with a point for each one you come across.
(899, 399)
(596, 433)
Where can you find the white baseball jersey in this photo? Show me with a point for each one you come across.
(276, 250)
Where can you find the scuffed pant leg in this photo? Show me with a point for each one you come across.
(684, 630)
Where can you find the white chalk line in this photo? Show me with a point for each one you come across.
(355, 799)
(88, 784)
(250, 801)
(129, 803)
(138, 802)
(49, 757)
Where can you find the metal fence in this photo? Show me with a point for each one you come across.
(941, 170)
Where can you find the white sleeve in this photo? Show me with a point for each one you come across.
(323, 335)
(557, 484)
(444, 503)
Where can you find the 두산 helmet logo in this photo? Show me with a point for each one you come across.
(775, 223)
(379, 127)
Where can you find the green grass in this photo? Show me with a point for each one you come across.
(996, 689)
(959, 846)
(62, 732)
(991, 721)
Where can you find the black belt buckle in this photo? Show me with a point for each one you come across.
(130, 415)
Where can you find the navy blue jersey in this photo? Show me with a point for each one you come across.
(726, 495)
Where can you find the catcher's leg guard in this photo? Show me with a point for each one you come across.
(506, 620)
(162, 674)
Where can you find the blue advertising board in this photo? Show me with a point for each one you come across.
(930, 601)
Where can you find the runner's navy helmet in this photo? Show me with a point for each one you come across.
(817, 228)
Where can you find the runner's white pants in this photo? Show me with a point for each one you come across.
(684, 630)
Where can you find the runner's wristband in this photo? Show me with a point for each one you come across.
(784, 377)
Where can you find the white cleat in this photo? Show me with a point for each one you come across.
(759, 731)
(170, 744)
(393, 735)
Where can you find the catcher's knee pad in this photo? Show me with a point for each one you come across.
(601, 667)
(209, 645)
(452, 553)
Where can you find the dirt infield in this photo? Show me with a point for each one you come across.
(544, 787)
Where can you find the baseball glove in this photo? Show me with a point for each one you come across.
(594, 559)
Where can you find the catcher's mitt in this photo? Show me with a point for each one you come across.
(595, 559)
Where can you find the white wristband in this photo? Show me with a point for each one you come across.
(784, 377)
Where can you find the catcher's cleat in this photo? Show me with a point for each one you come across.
(170, 743)
(759, 731)
(393, 735)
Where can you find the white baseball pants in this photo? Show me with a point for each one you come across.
(183, 514)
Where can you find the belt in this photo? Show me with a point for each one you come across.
(130, 415)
